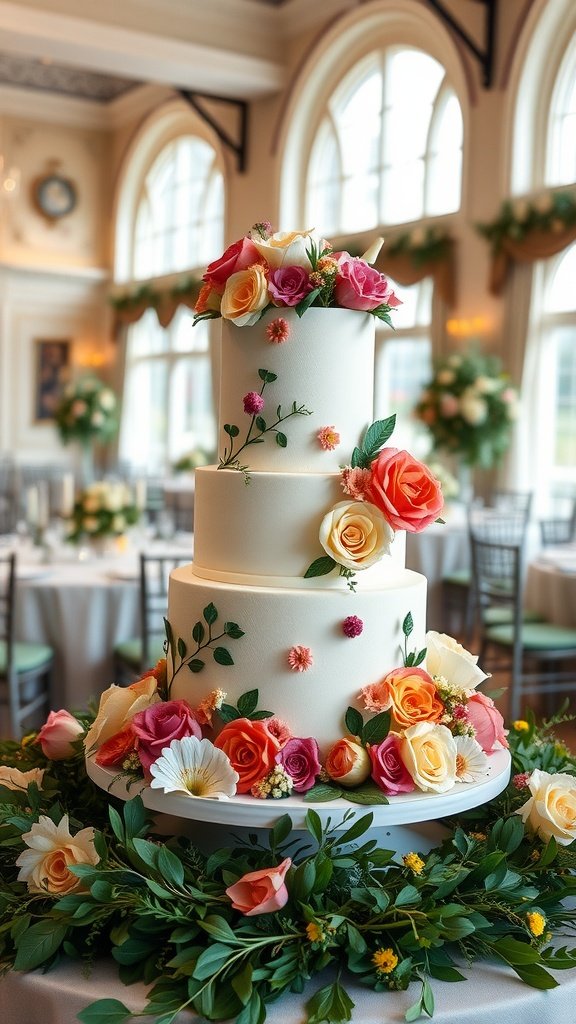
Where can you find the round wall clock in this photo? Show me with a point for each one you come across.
(55, 195)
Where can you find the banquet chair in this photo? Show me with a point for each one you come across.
(512, 501)
(25, 668)
(534, 652)
(133, 657)
(558, 529)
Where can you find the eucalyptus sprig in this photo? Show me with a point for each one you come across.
(202, 635)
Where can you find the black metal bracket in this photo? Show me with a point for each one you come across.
(240, 147)
(485, 56)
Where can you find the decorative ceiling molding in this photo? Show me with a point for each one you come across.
(32, 73)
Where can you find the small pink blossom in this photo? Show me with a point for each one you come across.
(521, 780)
(253, 403)
(352, 626)
(300, 658)
(355, 482)
(376, 696)
(278, 330)
(278, 729)
(329, 438)
(460, 714)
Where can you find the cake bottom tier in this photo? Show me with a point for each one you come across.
(273, 621)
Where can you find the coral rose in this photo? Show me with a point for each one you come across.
(245, 296)
(405, 490)
(429, 753)
(446, 657)
(58, 734)
(158, 725)
(488, 723)
(388, 769)
(117, 748)
(238, 256)
(260, 892)
(251, 750)
(45, 866)
(411, 695)
(355, 534)
(360, 286)
(348, 763)
(299, 758)
(118, 704)
(551, 810)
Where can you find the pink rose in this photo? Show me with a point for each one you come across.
(300, 759)
(488, 723)
(404, 490)
(288, 285)
(158, 725)
(260, 892)
(360, 286)
(57, 735)
(388, 769)
(238, 256)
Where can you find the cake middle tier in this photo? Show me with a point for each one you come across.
(271, 622)
(267, 527)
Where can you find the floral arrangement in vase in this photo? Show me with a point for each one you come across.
(469, 408)
(102, 510)
(87, 411)
(290, 269)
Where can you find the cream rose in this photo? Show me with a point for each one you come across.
(446, 657)
(287, 248)
(355, 534)
(551, 810)
(118, 705)
(45, 866)
(429, 753)
(245, 296)
(13, 778)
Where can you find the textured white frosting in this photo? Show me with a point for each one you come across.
(326, 364)
(314, 702)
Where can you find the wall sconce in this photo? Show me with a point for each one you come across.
(9, 180)
(468, 327)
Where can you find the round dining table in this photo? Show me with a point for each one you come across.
(550, 588)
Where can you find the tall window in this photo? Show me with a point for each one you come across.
(561, 151)
(168, 407)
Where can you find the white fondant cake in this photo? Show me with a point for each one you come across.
(255, 536)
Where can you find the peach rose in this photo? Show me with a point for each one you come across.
(251, 750)
(118, 705)
(45, 866)
(429, 753)
(551, 810)
(348, 763)
(245, 296)
(412, 696)
(13, 778)
(405, 490)
(57, 735)
(488, 723)
(355, 534)
(260, 892)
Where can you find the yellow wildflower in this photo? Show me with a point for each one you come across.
(478, 836)
(520, 725)
(414, 862)
(536, 923)
(535, 855)
(314, 932)
(384, 960)
(29, 738)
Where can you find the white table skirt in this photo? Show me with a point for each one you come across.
(551, 592)
(492, 994)
(439, 551)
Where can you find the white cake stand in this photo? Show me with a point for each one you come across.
(407, 822)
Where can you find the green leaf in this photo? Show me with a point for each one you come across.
(147, 851)
(181, 647)
(507, 834)
(247, 703)
(211, 960)
(232, 629)
(314, 825)
(515, 952)
(228, 713)
(377, 435)
(320, 567)
(242, 984)
(331, 1004)
(219, 928)
(222, 656)
(360, 826)
(135, 817)
(281, 439)
(267, 376)
(282, 829)
(408, 625)
(307, 301)
(104, 1011)
(322, 792)
(196, 665)
(198, 632)
(231, 429)
(254, 1012)
(38, 944)
(420, 657)
(116, 823)
(210, 614)
(261, 423)
(368, 793)
(354, 721)
(170, 867)
(376, 729)
(408, 897)
(536, 976)
(358, 460)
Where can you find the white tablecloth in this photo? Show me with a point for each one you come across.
(492, 994)
(551, 586)
(437, 552)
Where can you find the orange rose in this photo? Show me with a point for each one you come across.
(208, 300)
(348, 762)
(245, 296)
(413, 697)
(251, 750)
(117, 748)
(404, 490)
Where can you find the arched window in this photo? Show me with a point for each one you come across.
(177, 227)
(561, 149)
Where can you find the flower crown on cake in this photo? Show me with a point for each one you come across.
(296, 269)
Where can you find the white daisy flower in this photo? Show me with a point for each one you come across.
(471, 761)
(195, 767)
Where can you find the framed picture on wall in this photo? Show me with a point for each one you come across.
(52, 372)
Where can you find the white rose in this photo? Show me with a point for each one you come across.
(429, 753)
(287, 248)
(551, 810)
(97, 418)
(355, 534)
(446, 657)
(91, 503)
(119, 524)
(91, 524)
(445, 377)
(107, 399)
(487, 385)
(473, 409)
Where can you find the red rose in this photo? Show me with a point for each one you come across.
(251, 750)
(238, 256)
(404, 490)
(161, 723)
